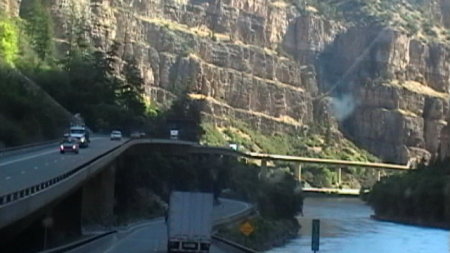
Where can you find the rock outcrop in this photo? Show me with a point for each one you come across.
(265, 63)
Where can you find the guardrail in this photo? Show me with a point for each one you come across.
(229, 220)
(232, 218)
(234, 245)
(78, 244)
(17, 195)
(83, 244)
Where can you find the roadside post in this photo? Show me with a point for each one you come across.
(315, 235)
(47, 223)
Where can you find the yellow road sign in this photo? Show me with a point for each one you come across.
(246, 228)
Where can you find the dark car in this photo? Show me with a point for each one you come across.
(69, 145)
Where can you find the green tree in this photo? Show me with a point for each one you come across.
(8, 41)
(133, 88)
(38, 26)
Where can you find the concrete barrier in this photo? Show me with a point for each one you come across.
(96, 243)
(231, 246)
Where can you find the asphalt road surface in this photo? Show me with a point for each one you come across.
(153, 236)
(25, 170)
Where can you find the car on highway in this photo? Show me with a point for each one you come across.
(116, 135)
(69, 145)
(135, 135)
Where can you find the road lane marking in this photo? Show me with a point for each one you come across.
(28, 157)
(7, 178)
(37, 155)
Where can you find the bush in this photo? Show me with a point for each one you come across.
(267, 233)
(419, 194)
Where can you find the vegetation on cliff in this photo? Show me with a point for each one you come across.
(318, 144)
(26, 112)
(42, 91)
(411, 16)
(419, 196)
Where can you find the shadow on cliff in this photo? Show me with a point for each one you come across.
(347, 68)
(342, 69)
(184, 116)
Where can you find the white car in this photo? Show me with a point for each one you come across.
(116, 135)
(135, 135)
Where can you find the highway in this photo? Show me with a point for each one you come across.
(18, 172)
(152, 236)
(28, 169)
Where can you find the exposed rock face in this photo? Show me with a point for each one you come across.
(266, 64)
(404, 112)
(10, 6)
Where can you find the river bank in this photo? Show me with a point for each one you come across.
(346, 227)
(418, 197)
(412, 222)
(328, 195)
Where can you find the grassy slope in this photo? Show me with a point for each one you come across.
(414, 17)
(311, 145)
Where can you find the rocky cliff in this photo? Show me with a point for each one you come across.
(280, 66)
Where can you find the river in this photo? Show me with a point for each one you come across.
(346, 227)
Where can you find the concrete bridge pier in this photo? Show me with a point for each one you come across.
(378, 175)
(98, 198)
(264, 170)
(298, 171)
(57, 223)
(228, 161)
(64, 221)
(339, 176)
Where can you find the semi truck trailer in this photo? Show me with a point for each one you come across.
(189, 222)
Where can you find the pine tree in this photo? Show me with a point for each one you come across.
(38, 27)
(133, 89)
